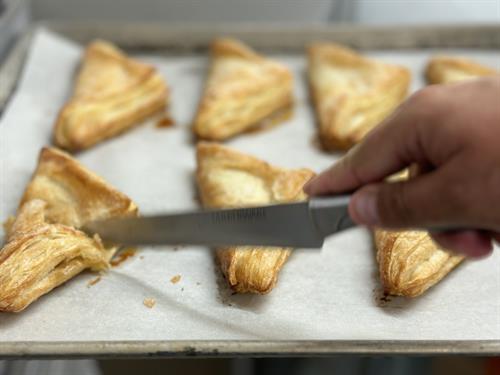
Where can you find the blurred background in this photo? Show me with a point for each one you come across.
(17, 15)
(363, 11)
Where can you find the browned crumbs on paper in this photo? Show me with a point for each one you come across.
(165, 122)
(93, 281)
(149, 302)
(122, 256)
(141, 257)
(175, 279)
(381, 297)
(386, 297)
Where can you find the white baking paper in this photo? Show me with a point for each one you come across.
(329, 294)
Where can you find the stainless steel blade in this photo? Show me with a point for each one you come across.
(286, 225)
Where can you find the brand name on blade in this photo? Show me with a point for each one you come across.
(248, 214)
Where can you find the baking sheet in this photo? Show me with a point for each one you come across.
(332, 294)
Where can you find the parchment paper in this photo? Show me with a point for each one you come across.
(329, 294)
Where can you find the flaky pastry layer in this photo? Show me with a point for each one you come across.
(243, 88)
(44, 248)
(74, 194)
(410, 262)
(112, 93)
(40, 256)
(351, 94)
(228, 178)
(448, 69)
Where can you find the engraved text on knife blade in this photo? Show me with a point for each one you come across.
(247, 214)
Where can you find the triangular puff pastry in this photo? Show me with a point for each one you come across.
(112, 93)
(410, 262)
(227, 178)
(351, 94)
(448, 69)
(44, 248)
(242, 89)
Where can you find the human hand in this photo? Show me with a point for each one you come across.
(452, 132)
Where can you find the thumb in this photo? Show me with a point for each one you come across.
(418, 202)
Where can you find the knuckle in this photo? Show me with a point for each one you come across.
(350, 166)
(422, 96)
(351, 169)
(427, 101)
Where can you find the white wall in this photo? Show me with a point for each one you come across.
(426, 11)
(363, 11)
(185, 10)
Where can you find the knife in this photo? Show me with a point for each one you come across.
(301, 224)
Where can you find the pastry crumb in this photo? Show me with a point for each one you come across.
(122, 256)
(381, 297)
(198, 283)
(175, 279)
(93, 281)
(165, 122)
(141, 257)
(149, 302)
(385, 299)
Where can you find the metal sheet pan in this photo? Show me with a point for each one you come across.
(188, 40)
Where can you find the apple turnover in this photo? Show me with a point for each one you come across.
(227, 179)
(242, 90)
(44, 248)
(351, 94)
(448, 69)
(410, 262)
(112, 93)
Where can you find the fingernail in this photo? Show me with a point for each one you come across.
(365, 207)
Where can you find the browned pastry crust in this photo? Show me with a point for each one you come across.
(40, 256)
(74, 195)
(243, 88)
(112, 93)
(227, 178)
(351, 94)
(410, 262)
(448, 69)
(44, 249)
